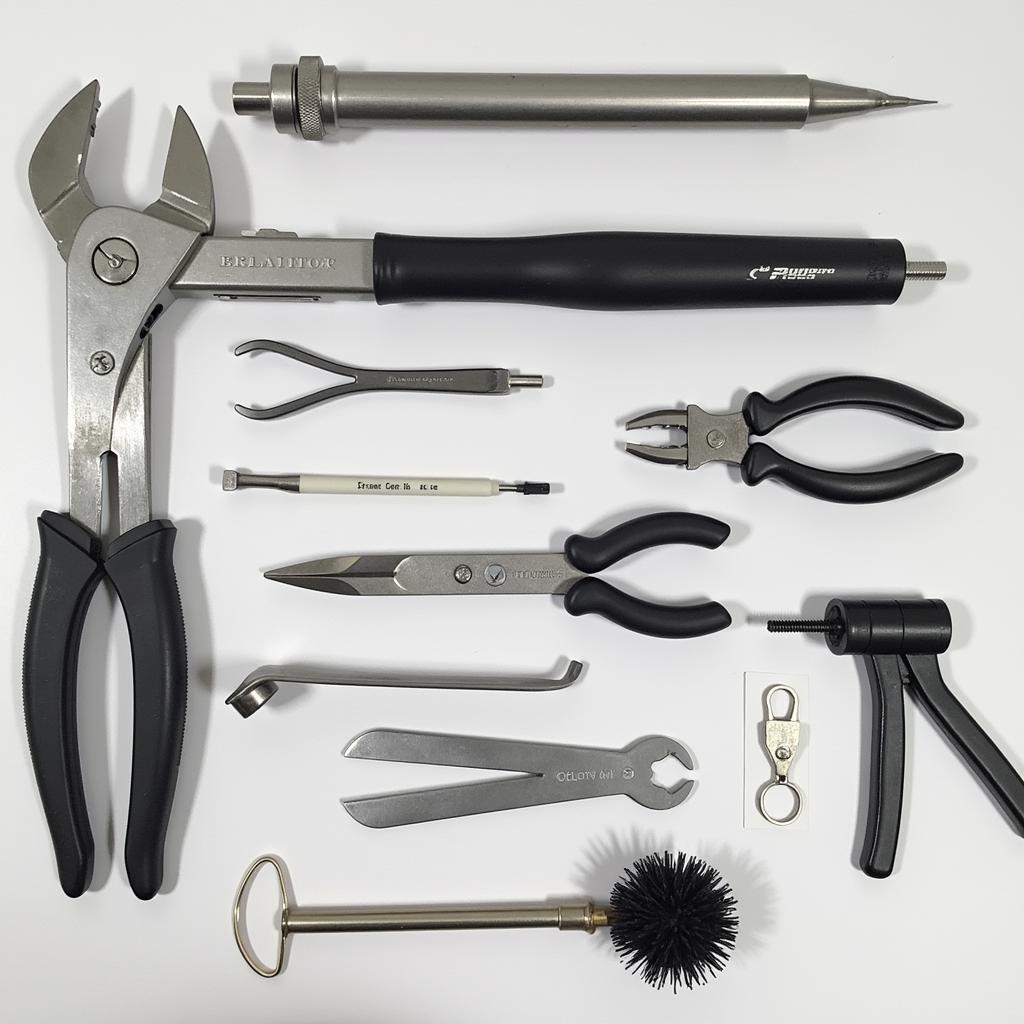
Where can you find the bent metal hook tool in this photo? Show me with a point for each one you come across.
(262, 683)
(564, 572)
(312, 100)
(550, 773)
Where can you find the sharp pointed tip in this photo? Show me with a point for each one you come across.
(907, 101)
(277, 575)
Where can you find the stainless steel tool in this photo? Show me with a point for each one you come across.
(551, 773)
(481, 381)
(565, 573)
(313, 101)
(398, 486)
(262, 683)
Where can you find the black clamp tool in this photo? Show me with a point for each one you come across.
(901, 640)
(566, 573)
(727, 438)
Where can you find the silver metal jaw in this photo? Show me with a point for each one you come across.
(709, 438)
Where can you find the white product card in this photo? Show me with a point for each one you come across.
(758, 767)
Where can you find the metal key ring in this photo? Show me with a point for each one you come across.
(240, 930)
(798, 799)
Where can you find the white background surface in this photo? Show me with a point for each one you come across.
(941, 938)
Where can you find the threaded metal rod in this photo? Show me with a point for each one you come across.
(803, 626)
(925, 270)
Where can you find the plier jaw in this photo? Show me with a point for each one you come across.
(120, 267)
(709, 438)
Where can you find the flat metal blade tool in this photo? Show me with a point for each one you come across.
(549, 773)
(313, 100)
(566, 573)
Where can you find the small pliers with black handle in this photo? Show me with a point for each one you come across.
(727, 438)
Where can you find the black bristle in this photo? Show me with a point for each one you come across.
(673, 919)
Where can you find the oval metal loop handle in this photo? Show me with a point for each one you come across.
(793, 814)
(241, 932)
(794, 707)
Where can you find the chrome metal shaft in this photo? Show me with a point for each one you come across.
(314, 100)
(572, 917)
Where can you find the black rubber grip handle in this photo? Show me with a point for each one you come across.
(69, 570)
(885, 786)
(761, 462)
(876, 393)
(592, 554)
(591, 594)
(140, 565)
(976, 747)
(635, 270)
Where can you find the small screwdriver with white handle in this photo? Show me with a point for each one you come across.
(408, 486)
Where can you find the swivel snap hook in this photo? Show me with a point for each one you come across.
(781, 741)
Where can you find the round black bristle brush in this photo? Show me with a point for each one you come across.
(672, 919)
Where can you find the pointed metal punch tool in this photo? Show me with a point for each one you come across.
(566, 573)
(711, 438)
(549, 773)
(477, 381)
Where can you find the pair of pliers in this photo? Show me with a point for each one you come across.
(120, 265)
(711, 438)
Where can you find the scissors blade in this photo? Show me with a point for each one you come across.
(488, 573)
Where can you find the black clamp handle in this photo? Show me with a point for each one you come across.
(140, 565)
(592, 554)
(762, 462)
(885, 792)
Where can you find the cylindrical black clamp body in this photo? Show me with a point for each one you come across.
(893, 626)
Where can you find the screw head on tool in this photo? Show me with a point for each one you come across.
(716, 439)
(495, 574)
(115, 261)
(783, 753)
(101, 362)
(463, 574)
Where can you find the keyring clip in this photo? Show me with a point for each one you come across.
(781, 741)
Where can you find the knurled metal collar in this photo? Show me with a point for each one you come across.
(307, 94)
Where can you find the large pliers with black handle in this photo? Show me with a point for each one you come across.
(120, 264)
(727, 438)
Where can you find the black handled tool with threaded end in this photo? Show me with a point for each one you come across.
(901, 640)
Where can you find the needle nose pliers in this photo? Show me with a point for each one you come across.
(727, 438)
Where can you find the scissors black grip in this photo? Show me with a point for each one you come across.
(593, 554)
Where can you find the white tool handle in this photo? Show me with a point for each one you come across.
(423, 486)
